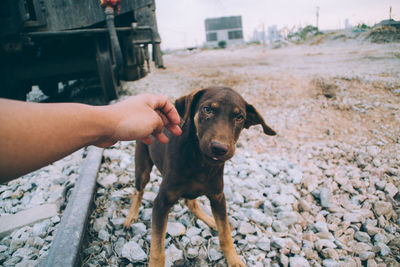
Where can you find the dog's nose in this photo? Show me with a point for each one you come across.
(218, 149)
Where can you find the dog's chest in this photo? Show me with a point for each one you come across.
(199, 186)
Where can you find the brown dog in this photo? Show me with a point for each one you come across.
(192, 164)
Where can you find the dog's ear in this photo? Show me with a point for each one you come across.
(254, 118)
(185, 105)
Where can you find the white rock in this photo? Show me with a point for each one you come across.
(288, 217)
(296, 176)
(100, 223)
(23, 252)
(385, 250)
(381, 238)
(172, 254)
(324, 243)
(175, 229)
(325, 197)
(383, 208)
(279, 226)
(321, 227)
(391, 189)
(330, 263)
(118, 223)
(362, 237)
(40, 229)
(124, 179)
(215, 254)
(277, 242)
(259, 217)
(149, 196)
(139, 229)
(246, 228)
(192, 253)
(298, 261)
(264, 243)
(133, 252)
(193, 231)
(146, 214)
(104, 235)
(123, 193)
(272, 168)
(108, 180)
(196, 240)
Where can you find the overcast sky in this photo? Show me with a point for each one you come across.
(181, 22)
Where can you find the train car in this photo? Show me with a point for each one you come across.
(48, 42)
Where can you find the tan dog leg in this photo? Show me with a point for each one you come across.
(199, 213)
(134, 210)
(218, 207)
(161, 207)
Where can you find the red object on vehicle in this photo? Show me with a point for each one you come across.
(111, 3)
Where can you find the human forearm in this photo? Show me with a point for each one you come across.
(33, 135)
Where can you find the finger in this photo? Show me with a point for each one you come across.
(168, 110)
(147, 140)
(174, 129)
(161, 137)
(164, 119)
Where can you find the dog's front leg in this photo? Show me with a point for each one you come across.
(218, 206)
(161, 207)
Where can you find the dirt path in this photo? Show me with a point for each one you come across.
(341, 91)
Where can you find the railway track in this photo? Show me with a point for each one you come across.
(38, 210)
(69, 238)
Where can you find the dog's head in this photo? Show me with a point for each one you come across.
(217, 116)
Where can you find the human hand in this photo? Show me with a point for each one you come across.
(139, 117)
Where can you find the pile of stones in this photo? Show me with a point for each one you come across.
(29, 245)
(341, 208)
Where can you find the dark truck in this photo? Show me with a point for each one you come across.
(48, 42)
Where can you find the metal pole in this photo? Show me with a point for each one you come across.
(115, 47)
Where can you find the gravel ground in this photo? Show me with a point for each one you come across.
(29, 245)
(323, 192)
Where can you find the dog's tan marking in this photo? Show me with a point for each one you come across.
(215, 105)
(218, 206)
(134, 210)
(199, 213)
(196, 123)
(236, 110)
(157, 252)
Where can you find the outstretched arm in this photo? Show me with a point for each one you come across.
(33, 135)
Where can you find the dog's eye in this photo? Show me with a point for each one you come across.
(239, 117)
(207, 110)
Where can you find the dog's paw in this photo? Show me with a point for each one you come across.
(213, 225)
(127, 224)
(235, 261)
(128, 221)
(237, 264)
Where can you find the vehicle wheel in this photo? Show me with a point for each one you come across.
(106, 70)
(134, 60)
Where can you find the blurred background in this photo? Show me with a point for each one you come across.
(182, 22)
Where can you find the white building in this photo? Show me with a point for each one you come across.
(228, 29)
